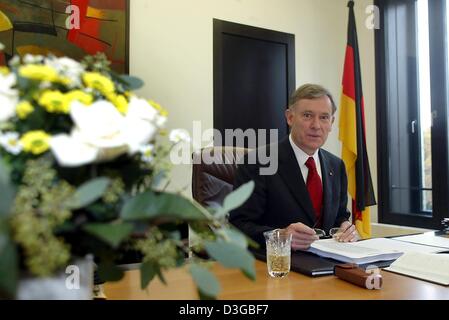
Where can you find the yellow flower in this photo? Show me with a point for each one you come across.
(157, 106)
(81, 96)
(120, 103)
(35, 142)
(54, 102)
(38, 72)
(4, 70)
(64, 80)
(99, 82)
(23, 109)
(129, 94)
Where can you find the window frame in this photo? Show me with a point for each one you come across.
(439, 129)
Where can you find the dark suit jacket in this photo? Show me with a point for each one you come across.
(281, 199)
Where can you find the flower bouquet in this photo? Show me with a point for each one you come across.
(83, 170)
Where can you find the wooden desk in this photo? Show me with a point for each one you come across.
(294, 287)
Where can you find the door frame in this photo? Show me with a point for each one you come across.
(221, 27)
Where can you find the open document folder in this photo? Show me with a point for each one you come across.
(367, 251)
(426, 266)
(428, 239)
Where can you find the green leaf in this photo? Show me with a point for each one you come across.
(108, 271)
(112, 234)
(132, 83)
(88, 193)
(149, 205)
(252, 243)
(158, 178)
(206, 281)
(161, 276)
(147, 273)
(234, 236)
(231, 255)
(204, 296)
(236, 198)
(23, 82)
(7, 190)
(8, 264)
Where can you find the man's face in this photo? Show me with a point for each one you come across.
(310, 121)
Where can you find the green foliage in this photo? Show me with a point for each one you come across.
(109, 271)
(38, 209)
(150, 205)
(71, 186)
(159, 249)
(234, 236)
(232, 256)
(131, 83)
(7, 190)
(236, 198)
(148, 271)
(112, 234)
(206, 282)
(98, 63)
(9, 271)
(88, 193)
(114, 191)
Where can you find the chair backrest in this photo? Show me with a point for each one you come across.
(213, 173)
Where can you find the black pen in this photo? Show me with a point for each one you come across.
(345, 230)
(348, 228)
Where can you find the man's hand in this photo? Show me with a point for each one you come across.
(347, 233)
(302, 236)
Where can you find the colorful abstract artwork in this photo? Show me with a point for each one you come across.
(73, 28)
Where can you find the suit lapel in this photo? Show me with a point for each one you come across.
(328, 180)
(291, 174)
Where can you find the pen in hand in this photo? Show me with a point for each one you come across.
(339, 234)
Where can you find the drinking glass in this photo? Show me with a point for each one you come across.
(278, 244)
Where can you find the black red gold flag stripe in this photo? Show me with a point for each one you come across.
(352, 133)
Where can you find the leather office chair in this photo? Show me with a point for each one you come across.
(213, 173)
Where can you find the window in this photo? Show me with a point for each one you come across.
(412, 67)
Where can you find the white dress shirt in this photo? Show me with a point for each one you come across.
(302, 157)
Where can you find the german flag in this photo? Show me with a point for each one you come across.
(352, 134)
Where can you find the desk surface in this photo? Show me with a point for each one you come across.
(294, 287)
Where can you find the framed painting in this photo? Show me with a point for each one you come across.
(73, 28)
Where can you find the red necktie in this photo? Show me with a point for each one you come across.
(314, 187)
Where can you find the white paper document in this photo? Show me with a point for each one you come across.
(426, 266)
(428, 239)
(367, 251)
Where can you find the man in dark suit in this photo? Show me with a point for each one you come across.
(309, 189)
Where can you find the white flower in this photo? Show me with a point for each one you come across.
(9, 97)
(72, 152)
(2, 46)
(33, 59)
(68, 68)
(140, 119)
(10, 142)
(147, 152)
(160, 121)
(101, 133)
(178, 135)
(137, 132)
(99, 125)
(142, 109)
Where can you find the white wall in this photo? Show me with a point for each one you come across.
(171, 50)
